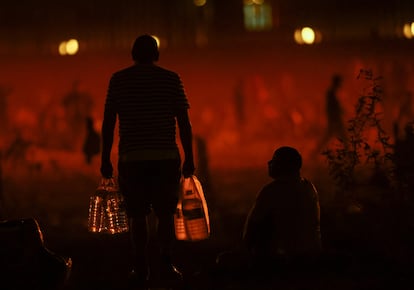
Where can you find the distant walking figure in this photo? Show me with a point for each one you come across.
(92, 144)
(334, 114)
(404, 160)
(78, 106)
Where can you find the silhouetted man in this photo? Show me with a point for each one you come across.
(148, 101)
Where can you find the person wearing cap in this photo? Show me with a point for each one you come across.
(148, 102)
(284, 221)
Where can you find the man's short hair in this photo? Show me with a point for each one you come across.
(145, 49)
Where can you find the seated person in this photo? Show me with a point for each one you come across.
(283, 226)
(285, 218)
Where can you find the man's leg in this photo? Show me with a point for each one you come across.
(166, 237)
(139, 242)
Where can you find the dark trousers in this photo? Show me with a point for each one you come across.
(150, 186)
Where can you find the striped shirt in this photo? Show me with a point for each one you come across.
(146, 98)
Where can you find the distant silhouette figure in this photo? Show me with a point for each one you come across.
(283, 226)
(405, 113)
(404, 160)
(92, 144)
(334, 114)
(78, 106)
(17, 150)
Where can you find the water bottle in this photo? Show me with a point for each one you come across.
(107, 213)
(193, 213)
(180, 232)
(115, 209)
(96, 219)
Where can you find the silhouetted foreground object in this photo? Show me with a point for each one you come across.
(148, 102)
(283, 227)
(25, 262)
(285, 218)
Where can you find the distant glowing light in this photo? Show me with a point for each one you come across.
(412, 28)
(308, 35)
(407, 30)
(251, 2)
(257, 15)
(200, 3)
(298, 36)
(70, 47)
(62, 48)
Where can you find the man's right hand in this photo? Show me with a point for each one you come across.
(188, 168)
(106, 169)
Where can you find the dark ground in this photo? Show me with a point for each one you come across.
(101, 262)
(375, 247)
(373, 250)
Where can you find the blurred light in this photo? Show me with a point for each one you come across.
(318, 36)
(62, 48)
(200, 2)
(412, 28)
(251, 2)
(298, 36)
(257, 15)
(407, 31)
(308, 35)
(72, 46)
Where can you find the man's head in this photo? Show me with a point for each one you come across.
(285, 161)
(145, 49)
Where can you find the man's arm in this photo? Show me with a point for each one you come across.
(186, 137)
(108, 126)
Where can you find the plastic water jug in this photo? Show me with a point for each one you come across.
(191, 218)
(107, 212)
